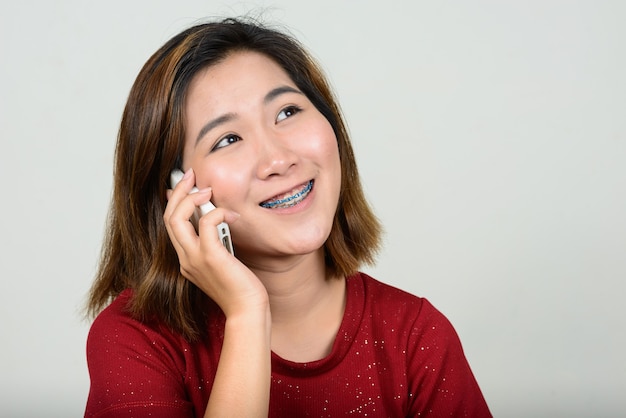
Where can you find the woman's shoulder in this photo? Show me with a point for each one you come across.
(383, 293)
(395, 305)
(432, 352)
(132, 362)
(117, 317)
(115, 327)
(117, 308)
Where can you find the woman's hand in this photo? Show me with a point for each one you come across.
(242, 378)
(203, 259)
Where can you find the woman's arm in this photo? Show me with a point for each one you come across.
(242, 381)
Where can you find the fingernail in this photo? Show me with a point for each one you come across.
(187, 174)
(205, 190)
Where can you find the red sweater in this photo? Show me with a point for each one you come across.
(395, 355)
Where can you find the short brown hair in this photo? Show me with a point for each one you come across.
(137, 252)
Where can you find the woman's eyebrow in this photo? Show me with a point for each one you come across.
(274, 93)
(214, 124)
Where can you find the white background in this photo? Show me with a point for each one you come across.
(491, 137)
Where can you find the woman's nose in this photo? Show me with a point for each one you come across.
(275, 157)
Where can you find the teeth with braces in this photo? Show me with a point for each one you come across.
(290, 200)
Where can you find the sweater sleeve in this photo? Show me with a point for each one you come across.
(439, 377)
(135, 370)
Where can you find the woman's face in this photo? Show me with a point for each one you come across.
(267, 153)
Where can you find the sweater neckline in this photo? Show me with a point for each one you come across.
(350, 324)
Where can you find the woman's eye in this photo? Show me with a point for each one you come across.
(287, 112)
(226, 141)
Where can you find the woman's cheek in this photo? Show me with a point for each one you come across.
(229, 186)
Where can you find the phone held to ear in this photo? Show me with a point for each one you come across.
(223, 231)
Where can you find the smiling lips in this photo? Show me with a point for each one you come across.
(289, 199)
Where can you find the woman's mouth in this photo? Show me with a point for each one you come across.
(289, 199)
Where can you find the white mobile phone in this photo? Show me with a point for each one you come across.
(223, 231)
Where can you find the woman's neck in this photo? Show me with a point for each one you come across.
(306, 307)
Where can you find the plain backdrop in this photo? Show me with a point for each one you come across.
(491, 137)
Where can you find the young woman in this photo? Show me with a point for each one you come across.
(287, 326)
